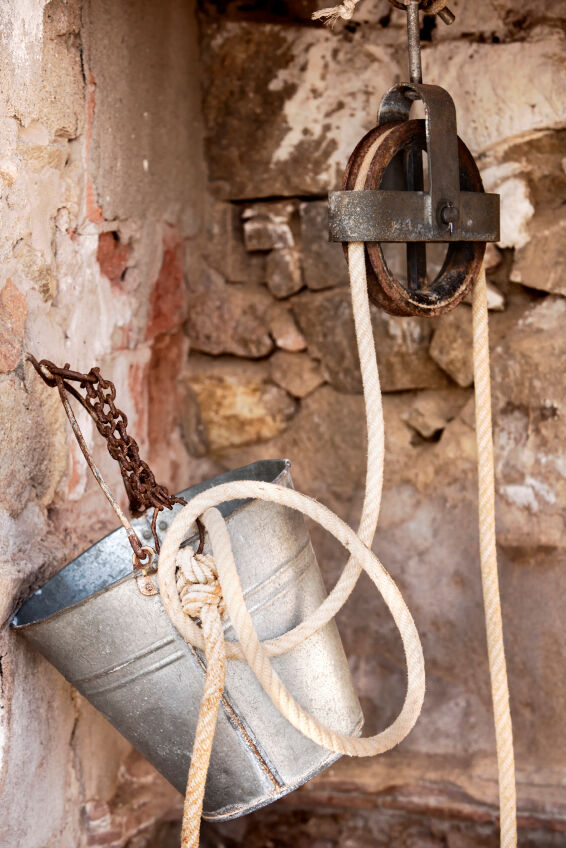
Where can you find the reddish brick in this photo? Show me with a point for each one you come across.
(112, 256)
(167, 301)
(13, 311)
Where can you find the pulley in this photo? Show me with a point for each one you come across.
(395, 207)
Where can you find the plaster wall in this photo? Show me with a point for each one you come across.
(102, 191)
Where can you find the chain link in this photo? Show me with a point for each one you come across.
(111, 422)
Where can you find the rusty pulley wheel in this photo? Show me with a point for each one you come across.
(463, 259)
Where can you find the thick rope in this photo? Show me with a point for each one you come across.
(181, 598)
(488, 559)
(256, 653)
(201, 597)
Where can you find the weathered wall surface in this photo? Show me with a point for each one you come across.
(284, 104)
(116, 251)
(101, 194)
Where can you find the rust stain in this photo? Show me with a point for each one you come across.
(168, 355)
(167, 300)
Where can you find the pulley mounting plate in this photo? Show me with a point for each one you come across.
(403, 216)
(443, 213)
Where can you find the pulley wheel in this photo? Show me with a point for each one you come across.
(463, 259)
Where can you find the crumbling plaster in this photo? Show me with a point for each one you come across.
(102, 184)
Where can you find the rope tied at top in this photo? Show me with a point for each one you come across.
(345, 11)
(197, 583)
(200, 595)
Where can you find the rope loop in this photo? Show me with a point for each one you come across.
(258, 654)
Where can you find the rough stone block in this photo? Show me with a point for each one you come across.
(327, 323)
(266, 227)
(283, 272)
(237, 403)
(432, 411)
(327, 462)
(292, 134)
(297, 373)
(224, 249)
(529, 387)
(541, 264)
(284, 330)
(468, 70)
(228, 318)
(324, 262)
(451, 346)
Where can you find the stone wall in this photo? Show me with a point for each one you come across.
(128, 241)
(273, 360)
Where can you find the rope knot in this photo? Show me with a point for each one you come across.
(197, 583)
(344, 10)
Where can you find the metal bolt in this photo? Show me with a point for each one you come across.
(449, 213)
(147, 534)
(162, 525)
(447, 16)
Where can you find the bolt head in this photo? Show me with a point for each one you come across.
(449, 213)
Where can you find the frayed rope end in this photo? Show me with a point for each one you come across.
(331, 15)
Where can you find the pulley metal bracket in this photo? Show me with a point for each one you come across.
(441, 214)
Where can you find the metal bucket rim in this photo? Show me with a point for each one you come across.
(230, 508)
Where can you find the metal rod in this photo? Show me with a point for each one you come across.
(133, 539)
(413, 35)
(416, 253)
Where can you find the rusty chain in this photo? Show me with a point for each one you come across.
(141, 486)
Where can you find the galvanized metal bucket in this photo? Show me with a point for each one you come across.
(120, 650)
